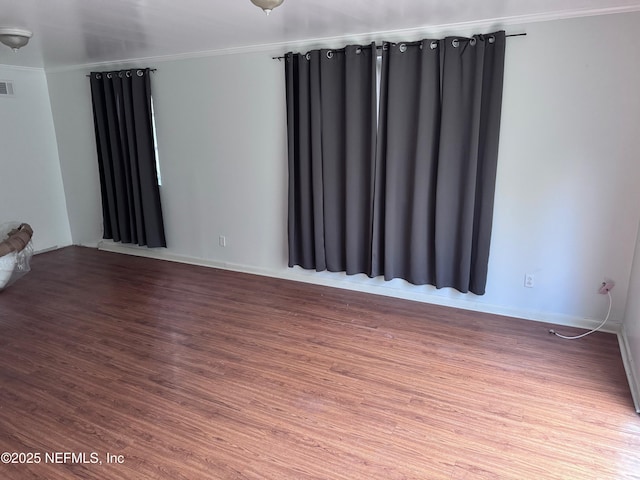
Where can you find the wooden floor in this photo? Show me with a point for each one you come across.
(194, 373)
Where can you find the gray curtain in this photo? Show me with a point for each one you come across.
(331, 124)
(131, 207)
(420, 206)
(440, 104)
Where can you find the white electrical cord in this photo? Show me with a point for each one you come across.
(591, 331)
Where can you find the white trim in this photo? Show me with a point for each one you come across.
(48, 249)
(567, 14)
(351, 283)
(279, 48)
(629, 367)
(26, 69)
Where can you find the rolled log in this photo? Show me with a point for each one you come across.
(17, 239)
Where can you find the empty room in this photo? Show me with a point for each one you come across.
(318, 239)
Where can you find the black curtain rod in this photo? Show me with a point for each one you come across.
(379, 47)
(136, 68)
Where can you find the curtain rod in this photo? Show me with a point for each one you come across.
(379, 47)
(151, 70)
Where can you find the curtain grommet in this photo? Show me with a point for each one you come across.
(402, 47)
(433, 45)
(98, 76)
(308, 56)
(455, 43)
(330, 54)
(358, 50)
(492, 39)
(472, 42)
(109, 76)
(127, 74)
(120, 74)
(140, 73)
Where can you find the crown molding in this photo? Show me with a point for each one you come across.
(25, 69)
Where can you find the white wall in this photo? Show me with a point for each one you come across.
(630, 341)
(222, 153)
(31, 188)
(567, 175)
(567, 196)
(70, 96)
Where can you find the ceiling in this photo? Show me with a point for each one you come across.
(80, 32)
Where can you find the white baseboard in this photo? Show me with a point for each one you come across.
(375, 286)
(630, 368)
(45, 250)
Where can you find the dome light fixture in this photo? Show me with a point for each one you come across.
(15, 38)
(267, 5)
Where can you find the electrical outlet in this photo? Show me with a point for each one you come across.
(606, 286)
(529, 280)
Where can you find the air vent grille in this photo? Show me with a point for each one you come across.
(6, 88)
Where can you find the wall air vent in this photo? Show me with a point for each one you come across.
(6, 88)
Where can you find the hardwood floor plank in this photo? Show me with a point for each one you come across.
(197, 373)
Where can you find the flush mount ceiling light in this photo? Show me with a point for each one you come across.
(15, 38)
(267, 5)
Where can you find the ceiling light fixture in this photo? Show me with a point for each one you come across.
(267, 5)
(15, 38)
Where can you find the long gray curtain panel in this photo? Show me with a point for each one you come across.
(132, 212)
(437, 157)
(331, 122)
(419, 205)
(407, 163)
